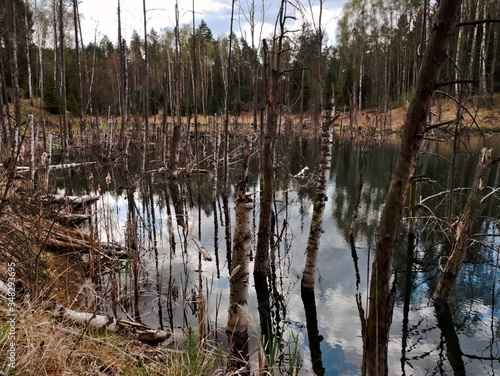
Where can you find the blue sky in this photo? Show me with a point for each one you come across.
(99, 17)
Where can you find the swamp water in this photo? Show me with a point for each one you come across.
(420, 343)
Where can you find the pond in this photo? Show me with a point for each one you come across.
(419, 344)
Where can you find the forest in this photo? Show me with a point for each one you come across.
(292, 203)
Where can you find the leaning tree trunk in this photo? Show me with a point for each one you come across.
(381, 293)
(237, 322)
(464, 229)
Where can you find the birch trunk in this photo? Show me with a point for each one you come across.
(62, 81)
(308, 278)
(15, 71)
(28, 60)
(79, 70)
(237, 323)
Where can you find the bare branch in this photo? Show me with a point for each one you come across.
(437, 125)
(477, 22)
(466, 110)
(446, 83)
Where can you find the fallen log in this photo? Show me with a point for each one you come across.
(92, 319)
(71, 218)
(69, 165)
(74, 201)
(140, 331)
(53, 167)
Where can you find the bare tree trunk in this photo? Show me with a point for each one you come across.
(464, 228)
(261, 265)
(495, 53)
(237, 322)
(146, 94)
(381, 294)
(14, 69)
(79, 71)
(28, 60)
(226, 105)
(3, 120)
(5, 97)
(483, 91)
(62, 81)
(302, 95)
(308, 279)
(176, 136)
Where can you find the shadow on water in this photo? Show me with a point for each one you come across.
(451, 340)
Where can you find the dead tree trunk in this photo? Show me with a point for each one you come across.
(79, 70)
(62, 81)
(28, 60)
(308, 278)
(464, 228)
(146, 88)
(237, 322)
(381, 293)
(176, 136)
(15, 71)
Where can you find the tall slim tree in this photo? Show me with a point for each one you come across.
(146, 78)
(261, 265)
(62, 80)
(27, 35)
(382, 290)
(122, 50)
(15, 69)
(76, 19)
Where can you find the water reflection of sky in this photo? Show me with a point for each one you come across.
(475, 316)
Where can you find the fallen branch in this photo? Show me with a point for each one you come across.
(69, 200)
(140, 331)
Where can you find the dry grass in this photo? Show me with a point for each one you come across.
(488, 119)
(46, 346)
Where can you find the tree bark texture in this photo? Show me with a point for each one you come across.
(308, 278)
(464, 229)
(381, 293)
(76, 17)
(62, 82)
(237, 323)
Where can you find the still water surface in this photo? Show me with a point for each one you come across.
(418, 345)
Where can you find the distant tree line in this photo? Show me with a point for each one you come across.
(373, 64)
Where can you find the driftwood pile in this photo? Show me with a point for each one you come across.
(55, 229)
